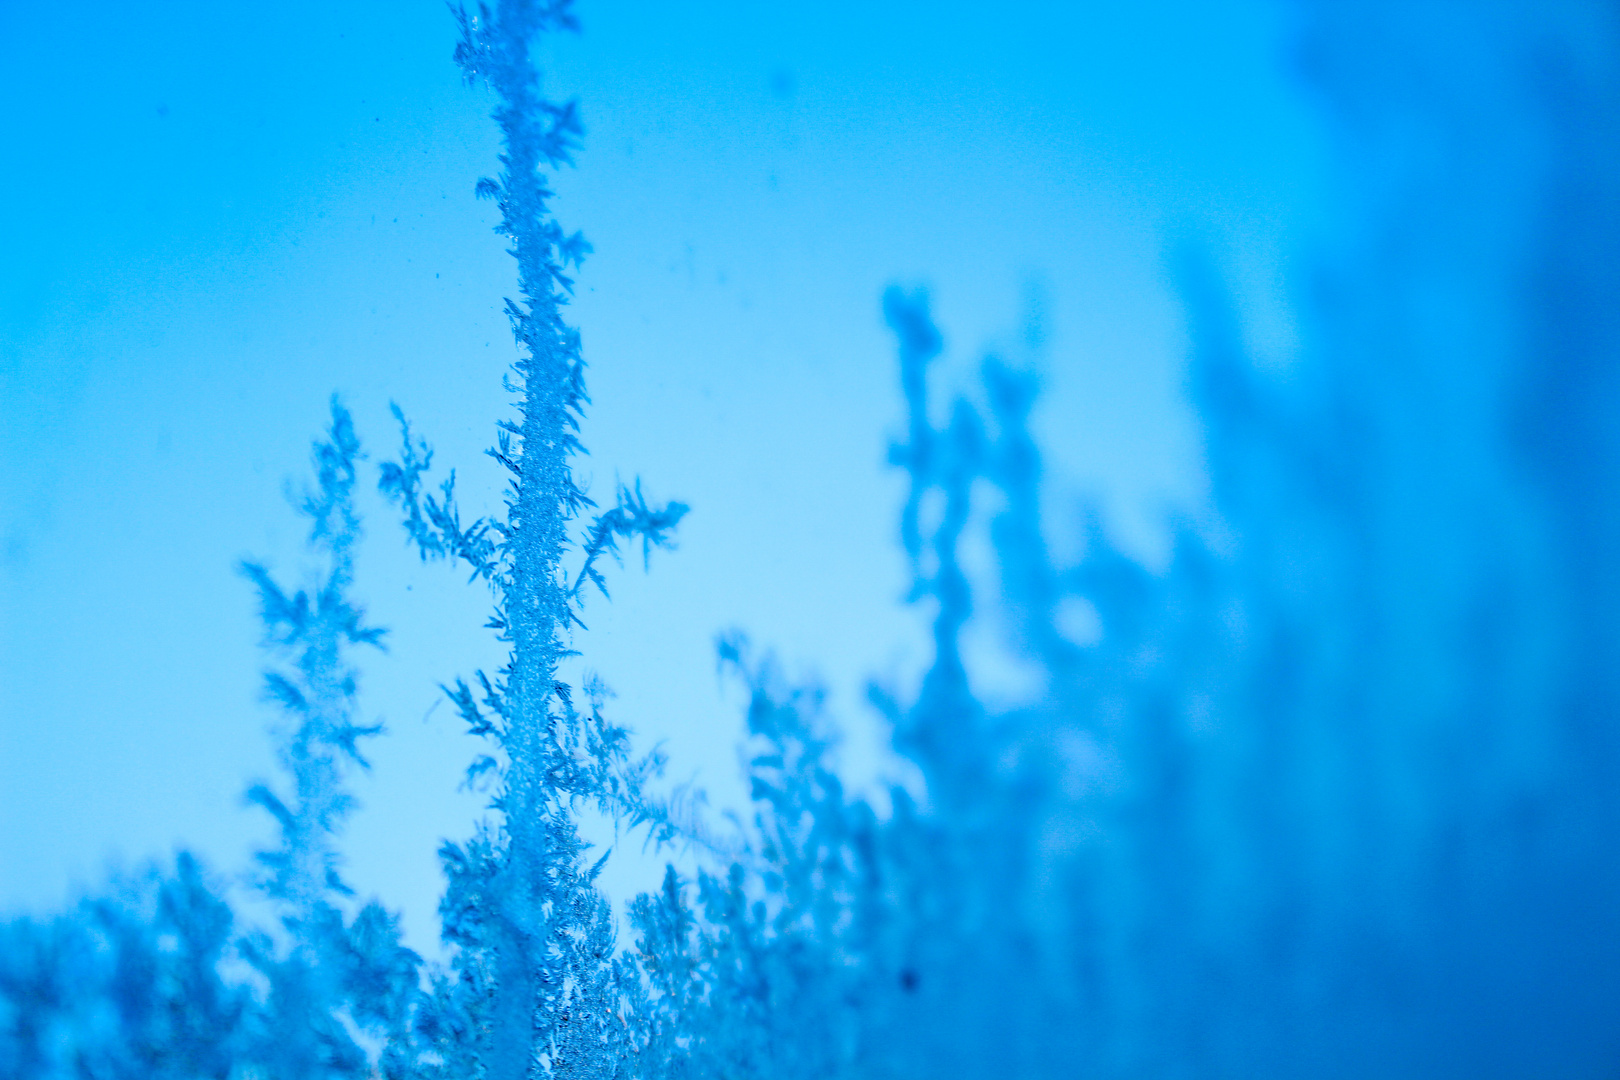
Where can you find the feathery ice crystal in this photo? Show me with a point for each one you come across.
(1331, 795)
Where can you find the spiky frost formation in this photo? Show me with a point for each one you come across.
(156, 978)
(340, 984)
(537, 988)
(1334, 797)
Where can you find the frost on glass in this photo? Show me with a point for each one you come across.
(157, 977)
(1333, 794)
(338, 986)
(537, 985)
(124, 985)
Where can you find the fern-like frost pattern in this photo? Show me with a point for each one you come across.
(1330, 795)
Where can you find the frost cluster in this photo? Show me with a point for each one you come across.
(1336, 793)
